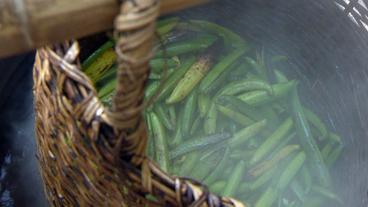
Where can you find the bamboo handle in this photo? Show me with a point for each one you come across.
(29, 24)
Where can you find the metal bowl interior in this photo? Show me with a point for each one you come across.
(327, 46)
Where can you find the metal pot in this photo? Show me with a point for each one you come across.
(327, 46)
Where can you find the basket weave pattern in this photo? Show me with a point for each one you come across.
(95, 156)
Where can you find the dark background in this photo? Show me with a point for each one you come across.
(20, 183)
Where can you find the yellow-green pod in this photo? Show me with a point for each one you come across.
(191, 78)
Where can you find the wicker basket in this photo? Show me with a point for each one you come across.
(95, 156)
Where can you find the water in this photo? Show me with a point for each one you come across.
(172, 120)
(328, 53)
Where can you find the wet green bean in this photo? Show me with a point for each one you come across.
(155, 76)
(307, 179)
(291, 170)
(163, 116)
(175, 77)
(271, 194)
(180, 48)
(263, 179)
(161, 148)
(107, 77)
(272, 140)
(219, 68)
(101, 65)
(189, 112)
(172, 114)
(151, 89)
(239, 72)
(96, 55)
(189, 163)
(163, 22)
(204, 103)
(241, 154)
(221, 80)
(231, 39)
(233, 184)
(204, 166)
(196, 125)
(267, 198)
(258, 67)
(197, 143)
(240, 137)
(242, 107)
(212, 150)
(307, 141)
(167, 26)
(244, 189)
(218, 186)
(200, 170)
(326, 150)
(283, 143)
(280, 77)
(234, 115)
(157, 65)
(191, 78)
(274, 160)
(234, 88)
(107, 89)
(178, 136)
(210, 121)
(268, 113)
(316, 122)
(150, 148)
(213, 176)
(262, 97)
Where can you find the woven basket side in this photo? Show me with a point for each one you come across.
(73, 163)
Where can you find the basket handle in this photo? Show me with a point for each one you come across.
(134, 33)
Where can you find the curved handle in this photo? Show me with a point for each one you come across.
(134, 32)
